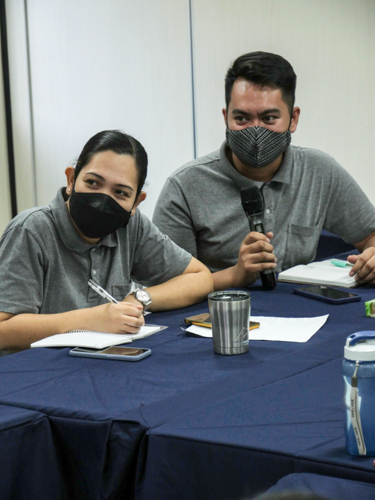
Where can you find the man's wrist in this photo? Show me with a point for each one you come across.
(241, 277)
(227, 278)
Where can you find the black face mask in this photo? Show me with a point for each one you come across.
(96, 214)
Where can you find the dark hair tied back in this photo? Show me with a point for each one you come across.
(120, 143)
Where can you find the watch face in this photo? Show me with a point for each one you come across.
(142, 295)
(144, 298)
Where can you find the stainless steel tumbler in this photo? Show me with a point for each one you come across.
(230, 318)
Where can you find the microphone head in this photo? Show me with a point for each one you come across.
(252, 201)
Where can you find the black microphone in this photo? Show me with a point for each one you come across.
(253, 205)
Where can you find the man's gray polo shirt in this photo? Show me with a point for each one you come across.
(200, 207)
(45, 265)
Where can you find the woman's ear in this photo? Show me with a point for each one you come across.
(70, 176)
(141, 197)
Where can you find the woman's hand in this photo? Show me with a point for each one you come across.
(124, 317)
(20, 330)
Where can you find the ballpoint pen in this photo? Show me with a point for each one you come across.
(103, 293)
(341, 263)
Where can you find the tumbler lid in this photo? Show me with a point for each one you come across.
(229, 296)
(360, 346)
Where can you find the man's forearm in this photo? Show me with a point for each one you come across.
(229, 278)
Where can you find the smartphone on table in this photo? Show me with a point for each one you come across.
(205, 320)
(113, 352)
(327, 294)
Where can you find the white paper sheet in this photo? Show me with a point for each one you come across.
(280, 329)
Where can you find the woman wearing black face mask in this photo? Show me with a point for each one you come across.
(92, 230)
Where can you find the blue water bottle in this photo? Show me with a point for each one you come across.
(358, 370)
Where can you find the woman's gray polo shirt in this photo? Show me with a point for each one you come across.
(200, 207)
(45, 265)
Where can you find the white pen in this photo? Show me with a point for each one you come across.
(103, 293)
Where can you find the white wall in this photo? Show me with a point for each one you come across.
(98, 65)
(21, 104)
(5, 207)
(330, 44)
(126, 64)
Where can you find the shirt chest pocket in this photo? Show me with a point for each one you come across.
(119, 292)
(301, 244)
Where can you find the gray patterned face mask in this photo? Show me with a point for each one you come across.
(257, 146)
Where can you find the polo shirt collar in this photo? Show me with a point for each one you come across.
(282, 175)
(285, 170)
(68, 232)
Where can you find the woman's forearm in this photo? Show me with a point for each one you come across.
(189, 288)
(19, 331)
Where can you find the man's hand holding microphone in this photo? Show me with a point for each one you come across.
(256, 252)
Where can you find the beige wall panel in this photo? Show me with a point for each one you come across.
(331, 45)
(21, 108)
(5, 206)
(98, 65)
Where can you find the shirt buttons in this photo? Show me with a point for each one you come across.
(94, 272)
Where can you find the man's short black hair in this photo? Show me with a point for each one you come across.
(265, 69)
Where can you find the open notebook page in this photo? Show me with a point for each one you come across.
(321, 273)
(95, 340)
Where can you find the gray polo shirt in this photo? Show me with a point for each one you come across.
(200, 207)
(45, 265)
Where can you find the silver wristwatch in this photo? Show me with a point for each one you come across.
(143, 297)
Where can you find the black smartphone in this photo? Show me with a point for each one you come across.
(327, 294)
(114, 352)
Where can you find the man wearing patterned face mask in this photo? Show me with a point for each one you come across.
(304, 190)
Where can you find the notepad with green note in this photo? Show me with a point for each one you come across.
(320, 273)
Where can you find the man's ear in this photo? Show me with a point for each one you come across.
(141, 197)
(70, 176)
(295, 117)
(224, 111)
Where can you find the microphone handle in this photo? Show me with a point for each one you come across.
(268, 276)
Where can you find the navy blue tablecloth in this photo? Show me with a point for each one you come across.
(30, 465)
(330, 488)
(241, 445)
(101, 411)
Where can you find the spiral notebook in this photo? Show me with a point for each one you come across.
(95, 340)
(320, 273)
